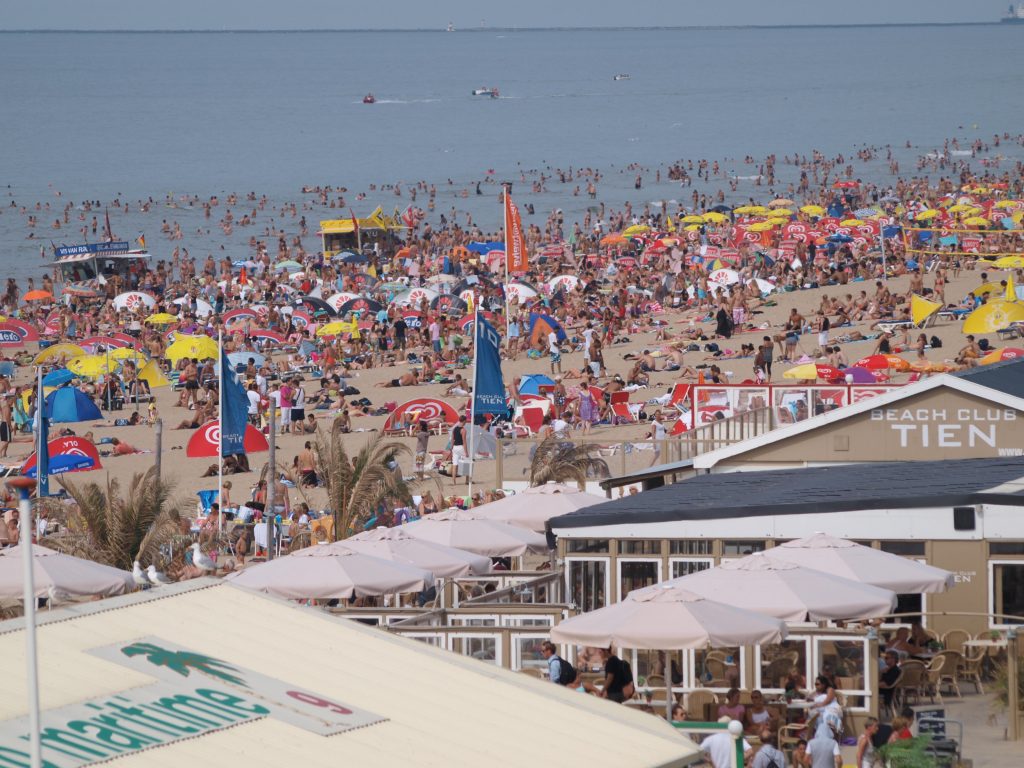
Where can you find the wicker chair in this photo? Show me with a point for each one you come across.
(954, 640)
(697, 703)
(970, 670)
(911, 681)
(930, 683)
(948, 675)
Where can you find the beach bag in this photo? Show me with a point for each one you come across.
(935, 342)
(566, 672)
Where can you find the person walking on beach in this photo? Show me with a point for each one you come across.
(458, 445)
(555, 352)
(422, 445)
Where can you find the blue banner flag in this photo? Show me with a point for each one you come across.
(99, 249)
(234, 409)
(43, 449)
(488, 386)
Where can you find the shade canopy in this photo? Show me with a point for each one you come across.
(69, 405)
(468, 531)
(787, 591)
(850, 560)
(533, 507)
(397, 545)
(56, 575)
(668, 617)
(326, 573)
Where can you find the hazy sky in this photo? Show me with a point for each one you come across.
(433, 14)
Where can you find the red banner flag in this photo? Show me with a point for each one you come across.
(515, 247)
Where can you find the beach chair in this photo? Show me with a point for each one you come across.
(206, 499)
(533, 419)
(680, 394)
(620, 407)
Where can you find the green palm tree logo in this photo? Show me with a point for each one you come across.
(183, 662)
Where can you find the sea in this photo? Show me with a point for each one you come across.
(133, 116)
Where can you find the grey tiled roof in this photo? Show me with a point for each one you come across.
(883, 485)
(1006, 377)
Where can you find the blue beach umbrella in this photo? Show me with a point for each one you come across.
(57, 377)
(64, 462)
(69, 404)
(840, 238)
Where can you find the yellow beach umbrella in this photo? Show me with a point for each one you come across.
(128, 353)
(994, 316)
(921, 308)
(199, 347)
(334, 329)
(1009, 262)
(91, 366)
(926, 215)
(716, 217)
(780, 212)
(813, 210)
(692, 227)
(977, 221)
(693, 219)
(852, 223)
(760, 226)
(751, 210)
(780, 202)
(960, 208)
(778, 222)
(1008, 204)
(807, 371)
(152, 374)
(162, 318)
(1011, 291)
(636, 229)
(57, 351)
(992, 289)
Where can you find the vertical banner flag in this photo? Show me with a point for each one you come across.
(235, 410)
(515, 247)
(488, 386)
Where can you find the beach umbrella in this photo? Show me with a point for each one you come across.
(852, 223)
(57, 377)
(10, 337)
(56, 574)
(715, 217)
(613, 239)
(668, 617)
(23, 329)
(360, 304)
(352, 258)
(397, 545)
(1009, 262)
(993, 316)
(882, 363)
(813, 210)
(203, 308)
(340, 298)
(133, 300)
(413, 296)
(636, 229)
(760, 226)
(751, 210)
(243, 357)
(977, 221)
(331, 573)
(152, 375)
(267, 335)
(724, 277)
(288, 264)
(468, 531)
(694, 218)
(850, 560)
(55, 351)
(67, 462)
(927, 215)
(69, 404)
(314, 304)
(862, 375)
(37, 295)
(205, 441)
(162, 318)
(91, 366)
(533, 507)
(785, 590)
(122, 354)
(999, 355)
(780, 213)
(198, 347)
(335, 328)
(235, 315)
(813, 371)
(453, 305)
(781, 202)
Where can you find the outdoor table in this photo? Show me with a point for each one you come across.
(1001, 643)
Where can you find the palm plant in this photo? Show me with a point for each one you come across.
(560, 461)
(357, 485)
(114, 528)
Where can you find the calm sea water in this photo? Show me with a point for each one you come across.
(94, 115)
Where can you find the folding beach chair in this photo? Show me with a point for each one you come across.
(620, 407)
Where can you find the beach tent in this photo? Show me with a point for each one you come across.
(532, 382)
(69, 404)
(541, 325)
(69, 445)
(422, 408)
(449, 304)
(152, 375)
(57, 377)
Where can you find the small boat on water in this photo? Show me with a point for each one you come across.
(621, 77)
(492, 92)
(369, 99)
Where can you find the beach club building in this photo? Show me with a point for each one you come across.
(205, 673)
(932, 470)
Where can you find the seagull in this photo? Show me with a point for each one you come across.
(55, 596)
(158, 579)
(139, 575)
(202, 560)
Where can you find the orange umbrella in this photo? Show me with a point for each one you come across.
(998, 355)
(613, 239)
(38, 295)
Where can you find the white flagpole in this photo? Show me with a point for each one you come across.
(468, 438)
(220, 441)
(504, 213)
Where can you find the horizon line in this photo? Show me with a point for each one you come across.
(311, 30)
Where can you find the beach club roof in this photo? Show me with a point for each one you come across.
(214, 675)
(811, 490)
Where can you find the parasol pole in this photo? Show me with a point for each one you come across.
(220, 433)
(467, 439)
(24, 486)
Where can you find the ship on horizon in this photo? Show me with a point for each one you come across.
(1014, 15)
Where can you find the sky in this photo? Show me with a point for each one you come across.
(466, 14)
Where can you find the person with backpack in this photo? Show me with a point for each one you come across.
(560, 671)
(618, 678)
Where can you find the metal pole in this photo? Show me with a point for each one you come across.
(508, 241)
(269, 513)
(220, 432)
(159, 426)
(468, 439)
(24, 486)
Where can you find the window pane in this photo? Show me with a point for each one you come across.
(481, 648)
(588, 545)
(909, 603)
(903, 547)
(735, 548)
(1008, 591)
(1006, 548)
(686, 567)
(784, 663)
(690, 547)
(640, 547)
(586, 584)
(637, 574)
(719, 667)
(843, 662)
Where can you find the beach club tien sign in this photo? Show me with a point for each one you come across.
(193, 694)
